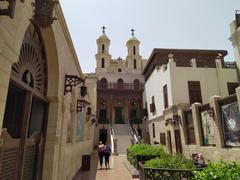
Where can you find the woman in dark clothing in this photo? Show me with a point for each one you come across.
(107, 153)
(100, 152)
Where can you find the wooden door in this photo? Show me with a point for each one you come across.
(119, 115)
(178, 141)
(169, 140)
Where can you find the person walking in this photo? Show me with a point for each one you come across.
(100, 152)
(107, 153)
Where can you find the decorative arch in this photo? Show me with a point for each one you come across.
(136, 84)
(120, 83)
(104, 83)
(26, 130)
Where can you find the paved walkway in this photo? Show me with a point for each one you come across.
(117, 170)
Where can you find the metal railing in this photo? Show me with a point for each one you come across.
(229, 65)
(136, 139)
(120, 86)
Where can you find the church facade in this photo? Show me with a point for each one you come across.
(120, 84)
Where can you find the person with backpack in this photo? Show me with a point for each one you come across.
(101, 152)
(107, 153)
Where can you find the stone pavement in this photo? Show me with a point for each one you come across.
(117, 170)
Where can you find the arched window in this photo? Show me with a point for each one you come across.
(136, 84)
(120, 83)
(103, 63)
(104, 83)
(134, 50)
(103, 48)
(135, 64)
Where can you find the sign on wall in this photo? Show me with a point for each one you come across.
(231, 124)
(80, 126)
(207, 124)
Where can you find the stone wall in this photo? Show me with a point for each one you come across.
(62, 159)
(167, 123)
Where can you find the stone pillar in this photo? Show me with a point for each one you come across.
(238, 94)
(182, 127)
(196, 123)
(51, 154)
(217, 118)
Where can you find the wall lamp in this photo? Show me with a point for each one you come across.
(10, 10)
(43, 12)
(176, 120)
(72, 81)
(81, 104)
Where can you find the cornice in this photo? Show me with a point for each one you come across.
(63, 24)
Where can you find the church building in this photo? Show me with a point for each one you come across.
(120, 85)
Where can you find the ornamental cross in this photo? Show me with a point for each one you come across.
(132, 32)
(103, 29)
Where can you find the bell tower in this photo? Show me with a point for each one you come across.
(103, 57)
(133, 57)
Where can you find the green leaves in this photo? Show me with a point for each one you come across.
(220, 171)
(171, 162)
(146, 149)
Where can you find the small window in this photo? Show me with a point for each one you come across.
(103, 63)
(153, 129)
(134, 50)
(232, 87)
(135, 64)
(152, 106)
(103, 48)
(195, 94)
(119, 70)
(165, 96)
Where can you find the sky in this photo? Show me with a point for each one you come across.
(182, 24)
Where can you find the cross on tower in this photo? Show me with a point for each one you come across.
(132, 32)
(103, 29)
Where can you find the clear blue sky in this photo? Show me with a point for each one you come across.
(192, 24)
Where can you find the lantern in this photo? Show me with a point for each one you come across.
(83, 90)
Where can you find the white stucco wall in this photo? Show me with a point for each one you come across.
(235, 39)
(154, 87)
(213, 81)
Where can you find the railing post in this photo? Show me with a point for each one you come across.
(115, 145)
(214, 102)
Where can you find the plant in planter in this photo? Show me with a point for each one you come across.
(167, 167)
(171, 162)
(144, 152)
(219, 170)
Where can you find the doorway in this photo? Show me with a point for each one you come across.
(169, 140)
(103, 135)
(178, 141)
(118, 115)
(24, 123)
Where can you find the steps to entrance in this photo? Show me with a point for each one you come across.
(124, 135)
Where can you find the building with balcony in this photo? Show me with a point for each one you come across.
(192, 98)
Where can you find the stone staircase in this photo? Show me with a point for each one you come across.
(123, 134)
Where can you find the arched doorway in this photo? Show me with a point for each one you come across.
(25, 122)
